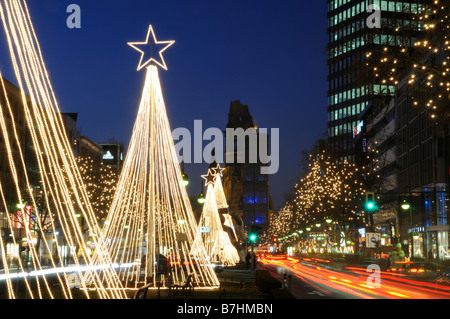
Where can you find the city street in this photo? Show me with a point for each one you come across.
(311, 280)
(268, 150)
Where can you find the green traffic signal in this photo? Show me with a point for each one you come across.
(253, 237)
(370, 201)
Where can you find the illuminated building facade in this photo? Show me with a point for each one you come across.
(93, 150)
(113, 155)
(367, 115)
(15, 118)
(350, 87)
(411, 163)
(73, 134)
(423, 178)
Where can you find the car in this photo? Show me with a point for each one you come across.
(443, 279)
(414, 269)
(260, 256)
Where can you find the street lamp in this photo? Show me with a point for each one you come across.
(185, 181)
(201, 198)
(405, 206)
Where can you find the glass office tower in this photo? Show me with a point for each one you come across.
(351, 87)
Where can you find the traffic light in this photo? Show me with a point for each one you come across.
(253, 237)
(370, 201)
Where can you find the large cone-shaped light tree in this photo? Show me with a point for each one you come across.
(151, 225)
(44, 206)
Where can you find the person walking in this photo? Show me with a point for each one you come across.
(247, 259)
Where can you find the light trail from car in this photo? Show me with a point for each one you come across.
(356, 281)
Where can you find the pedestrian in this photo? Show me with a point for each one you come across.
(254, 260)
(247, 259)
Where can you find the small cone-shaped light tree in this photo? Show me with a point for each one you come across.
(216, 241)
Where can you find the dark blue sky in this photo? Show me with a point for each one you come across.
(267, 54)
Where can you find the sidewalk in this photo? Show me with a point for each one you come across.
(236, 275)
(235, 283)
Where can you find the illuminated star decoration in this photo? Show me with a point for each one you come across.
(218, 170)
(136, 45)
(209, 178)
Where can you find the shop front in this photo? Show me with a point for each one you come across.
(417, 242)
(437, 242)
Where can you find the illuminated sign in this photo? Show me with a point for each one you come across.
(362, 232)
(364, 145)
(358, 128)
(32, 241)
(204, 229)
(108, 156)
(112, 152)
(372, 239)
(416, 230)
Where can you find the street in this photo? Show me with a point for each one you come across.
(308, 280)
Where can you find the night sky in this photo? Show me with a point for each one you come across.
(270, 55)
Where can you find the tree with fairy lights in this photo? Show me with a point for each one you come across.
(331, 190)
(100, 181)
(417, 52)
(327, 200)
(281, 224)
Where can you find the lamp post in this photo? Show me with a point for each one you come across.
(406, 206)
(201, 198)
(185, 178)
(185, 181)
(329, 221)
